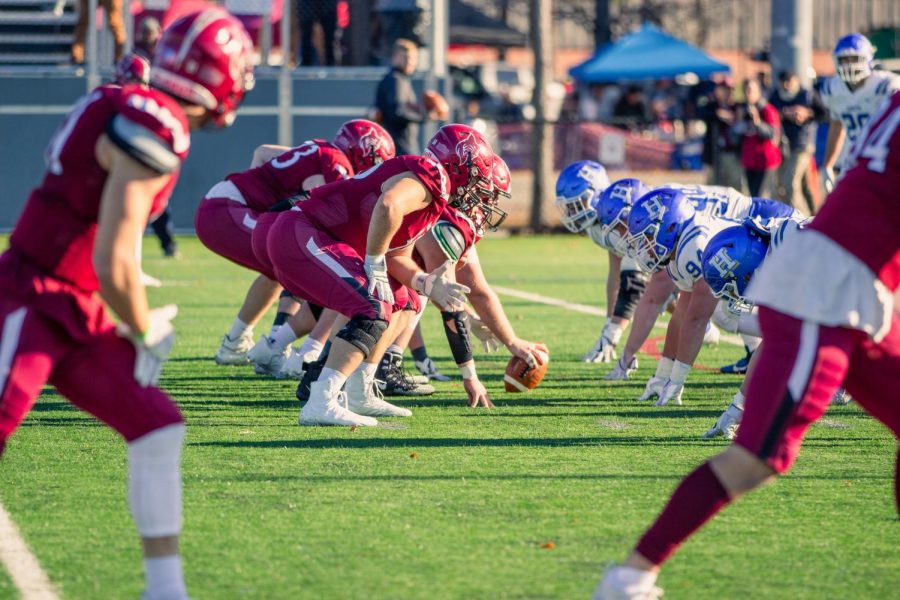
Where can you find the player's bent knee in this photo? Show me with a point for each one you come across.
(154, 481)
(363, 333)
(740, 471)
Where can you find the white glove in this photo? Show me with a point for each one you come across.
(671, 392)
(621, 372)
(727, 424)
(449, 295)
(376, 272)
(154, 346)
(481, 331)
(828, 179)
(654, 388)
(605, 349)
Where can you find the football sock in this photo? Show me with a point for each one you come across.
(694, 502)
(330, 375)
(238, 328)
(368, 371)
(420, 354)
(283, 338)
(280, 319)
(311, 347)
(164, 576)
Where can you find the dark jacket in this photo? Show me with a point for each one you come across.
(400, 111)
(798, 136)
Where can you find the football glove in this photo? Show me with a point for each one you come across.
(654, 388)
(671, 392)
(727, 424)
(449, 295)
(483, 333)
(621, 372)
(376, 272)
(152, 348)
(605, 349)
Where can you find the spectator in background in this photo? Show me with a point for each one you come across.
(114, 20)
(759, 126)
(323, 12)
(631, 109)
(798, 109)
(396, 101)
(721, 146)
(399, 19)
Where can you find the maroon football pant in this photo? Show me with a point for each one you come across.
(97, 375)
(226, 227)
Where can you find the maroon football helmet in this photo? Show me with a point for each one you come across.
(206, 58)
(365, 143)
(133, 68)
(493, 214)
(469, 161)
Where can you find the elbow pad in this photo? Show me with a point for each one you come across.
(457, 336)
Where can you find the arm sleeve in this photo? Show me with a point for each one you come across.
(458, 336)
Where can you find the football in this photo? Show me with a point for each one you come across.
(436, 103)
(519, 377)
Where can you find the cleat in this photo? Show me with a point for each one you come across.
(625, 583)
(393, 381)
(293, 367)
(429, 371)
(311, 372)
(739, 367)
(328, 406)
(266, 359)
(712, 335)
(234, 352)
(366, 399)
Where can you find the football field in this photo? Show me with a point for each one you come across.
(527, 500)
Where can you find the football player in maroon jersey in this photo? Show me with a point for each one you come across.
(827, 316)
(72, 251)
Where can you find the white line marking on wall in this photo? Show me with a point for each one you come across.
(22, 566)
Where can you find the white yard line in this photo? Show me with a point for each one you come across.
(582, 308)
(22, 566)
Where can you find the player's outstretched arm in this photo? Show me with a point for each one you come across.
(649, 307)
(265, 153)
(612, 282)
(489, 307)
(124, 207)
(690, 339)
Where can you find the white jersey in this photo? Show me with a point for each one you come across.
(716, 200)
(853, 108)
(686, 266)
(595, 232)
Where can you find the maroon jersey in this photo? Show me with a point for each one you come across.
(863, 212)
(57, 228)
(283, 176)
(343, 209)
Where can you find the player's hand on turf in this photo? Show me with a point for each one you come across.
(377, 274)
(604, 351)
(448, 294)
(533, 353)
(670, 394)
(483, 333)
(623, 372)
(727, 424)
(654, 388)
(477, 393)
(154, 346)
(828, 179)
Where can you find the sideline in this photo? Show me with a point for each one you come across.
(23, 567)
(584, 308)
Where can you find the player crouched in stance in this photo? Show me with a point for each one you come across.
(108, 162)
(827, 315)
(331, 250)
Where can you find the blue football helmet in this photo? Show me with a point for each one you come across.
(853, 58)
(613, 208)
(765, 208)
(654, 226)
(577, 190)
(730, 260)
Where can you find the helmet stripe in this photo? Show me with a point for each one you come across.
(203, 20)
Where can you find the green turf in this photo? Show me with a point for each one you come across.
(452, 503)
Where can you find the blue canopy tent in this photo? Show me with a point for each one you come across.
(648, 53)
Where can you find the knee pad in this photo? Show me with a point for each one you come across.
(631, 287)
(154, 481)
(363, 333)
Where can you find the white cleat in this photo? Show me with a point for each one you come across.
(712, 335)
(625, 583)
(267, 359)
(293, 367)
(364, 398)
(329, 407)
(234, 352)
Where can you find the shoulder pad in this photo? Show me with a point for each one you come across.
(142, 144)
(450, 239)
